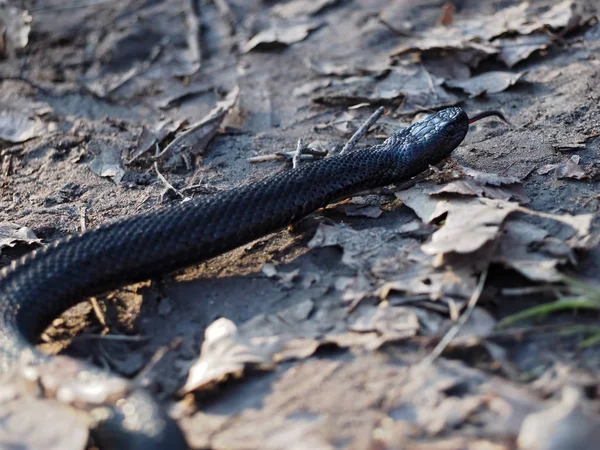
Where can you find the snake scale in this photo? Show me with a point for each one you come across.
(46, 282)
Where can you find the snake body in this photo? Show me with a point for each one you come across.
(43, 284)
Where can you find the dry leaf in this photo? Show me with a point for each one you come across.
(487, 83)
(17, 126)
(513, 50)
(298, 8)
(279, 36)
(198, 135)
(107, 159)
(469, 227)
(516, 249)
(224, 354)
(12, 234)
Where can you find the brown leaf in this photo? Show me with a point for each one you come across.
(516, 250)
(198, 135)
(106, 160)
(224, 354)
(513, 50)
(17, 126)
(12, 234)
(487, 83)
(469, 227)
(568, 168)
(298, 8)
(278, 36)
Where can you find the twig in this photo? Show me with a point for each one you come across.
(194, 36)
(307, 153)
(158, 355)
(363, 130)
(98, 312)
(113, 337)
(298, 153)
(83, 218)
(451, 334)
(168, 185)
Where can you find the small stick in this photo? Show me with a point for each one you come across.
(363, 130)
(168, 185)
(451, 334)
(158, 355)
(298, 153)
(113, 337)
(194, 37)
(83, 218)
(98, 312)
(307, 153)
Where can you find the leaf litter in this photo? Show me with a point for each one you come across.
(398, 285)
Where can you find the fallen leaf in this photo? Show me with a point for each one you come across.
(224, 354)
(12, 234)
(285, 278)
(513, 50)
(516, 250)
(418, 89)
(299, 8)
(563, 426)
(469, 227)
(487, 83)
(568, 168)
(18, 126)
(278, 36)
(198, 135)
(107, 159)
(327, 68)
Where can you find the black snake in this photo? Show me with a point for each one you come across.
(43, 284)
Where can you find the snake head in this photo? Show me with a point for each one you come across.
(436, 136)
(427, 142)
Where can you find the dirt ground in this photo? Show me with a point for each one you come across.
(323, 336)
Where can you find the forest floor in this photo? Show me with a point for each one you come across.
(330, 335)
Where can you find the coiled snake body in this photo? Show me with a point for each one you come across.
(43, 284)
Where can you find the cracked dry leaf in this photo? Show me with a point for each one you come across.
(198, 135)
(487, 83)
(224, 354)
(568, 168)
(454, 281)
(299, 8)
(419, 199)
(469, 227)
(327, 68)
(419, 90)
(390, 322)
(523, 247)
(285, 278)
(107, 159)
(279, 35)
(17, 126)
(12, 234)
(513, 50)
